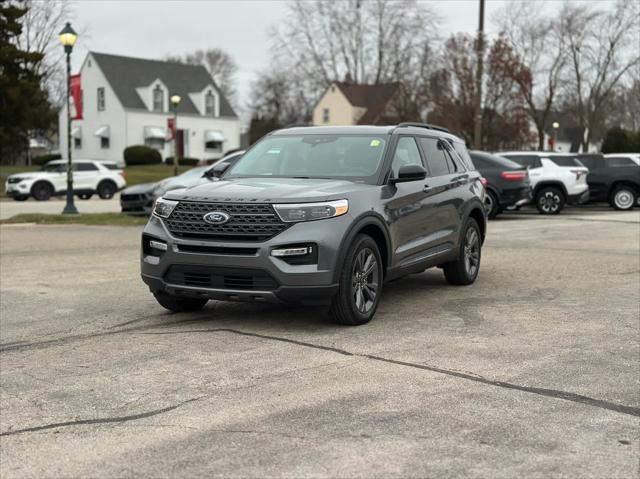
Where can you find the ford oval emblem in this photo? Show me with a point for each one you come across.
(216, 217)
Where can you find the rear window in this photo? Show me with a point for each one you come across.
(532, 161)
(566, 161)
(111, 166)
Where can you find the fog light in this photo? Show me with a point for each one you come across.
(291, 251)
(158, 245)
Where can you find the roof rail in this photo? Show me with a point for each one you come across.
(423, 125)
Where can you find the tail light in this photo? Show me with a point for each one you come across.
(514, 175)
(121, 173)
(483, 180)
(579, 173)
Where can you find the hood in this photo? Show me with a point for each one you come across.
(140, 189)
(269, 190)
(26, 175)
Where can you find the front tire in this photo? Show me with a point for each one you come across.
(85, 196)
(360, 285)
(21, 198)
(42, 191)
(550, 200)
(178, 304)
(106, 190)
(465, 269)
(623, 198)
(491, 204)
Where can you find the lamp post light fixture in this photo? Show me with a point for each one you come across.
(175, 101)
(68, 38)
(555, 126)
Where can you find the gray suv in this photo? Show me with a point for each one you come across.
(320, 216)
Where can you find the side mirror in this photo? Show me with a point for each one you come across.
(409, 173)
(218, 169)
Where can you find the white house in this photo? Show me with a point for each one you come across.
(126, 102)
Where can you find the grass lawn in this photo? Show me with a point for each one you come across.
(117, 219)
(133, 174)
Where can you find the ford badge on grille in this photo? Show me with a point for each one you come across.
(216, 217)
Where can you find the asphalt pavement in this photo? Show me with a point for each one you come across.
(530, 372)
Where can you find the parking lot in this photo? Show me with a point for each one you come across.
(530, 372)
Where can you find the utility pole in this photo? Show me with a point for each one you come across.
(477, 110)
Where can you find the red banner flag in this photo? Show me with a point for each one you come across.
(172, 128)
(76, 96)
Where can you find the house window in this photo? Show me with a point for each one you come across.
(157, 143)
(215, 146)
(209, 104)
(325, 115)
(77, 143)
(104, 142)
(101, 99)
(158, 98)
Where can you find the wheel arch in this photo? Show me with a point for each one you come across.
(623, 182)
(371, 225)
(553, 183)
(40, 182)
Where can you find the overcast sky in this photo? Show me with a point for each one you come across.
(151, 29)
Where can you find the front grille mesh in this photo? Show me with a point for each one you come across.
(220, 278)
(248, 222)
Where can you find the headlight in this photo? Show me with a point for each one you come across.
(290, 213)
(14, 180)
(163, 208)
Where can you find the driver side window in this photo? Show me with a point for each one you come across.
(406, 154)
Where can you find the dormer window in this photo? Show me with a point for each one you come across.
(158, 99)
(209, 104)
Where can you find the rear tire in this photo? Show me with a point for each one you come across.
(85, 196)
(360, 285)
(178, 304)
(623, 198)
(107, 189)
(550, 200)
(42, 191)
(465, 269)
(492, 205)
(21, 198)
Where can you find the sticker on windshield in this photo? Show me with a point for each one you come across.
(274, 151)
(375, 143)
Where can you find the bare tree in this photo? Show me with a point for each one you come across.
(41, 24)
(603, 50)
(219, 64)
(538, 59)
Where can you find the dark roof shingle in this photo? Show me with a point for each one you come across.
(374, 98)
(125, 74)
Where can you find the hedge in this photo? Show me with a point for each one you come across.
(618, 140)
(42, 159)
(184, 161)
(141, 155)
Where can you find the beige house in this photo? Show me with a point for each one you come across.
(351, 104)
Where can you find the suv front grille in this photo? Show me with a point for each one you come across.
(221, 278)
(248, 222)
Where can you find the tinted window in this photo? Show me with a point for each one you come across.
(589, 162)
(531, 161)
(451, 161)
(480, 163)
(434, 150)
(565, 161)
(406, 154)
(462, 152)
(111, 166)
(84, 167)
(54, 167)
(619, 161)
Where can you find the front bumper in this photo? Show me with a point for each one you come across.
(292, 283)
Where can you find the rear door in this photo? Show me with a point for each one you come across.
(443, 200)
(85, 176)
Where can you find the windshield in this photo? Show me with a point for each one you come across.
(353, 157)
(193, 173)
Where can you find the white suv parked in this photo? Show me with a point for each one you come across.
(556, 179)
(89, 177)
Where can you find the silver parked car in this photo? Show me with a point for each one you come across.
(137, 200)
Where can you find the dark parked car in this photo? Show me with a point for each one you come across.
(613, 178)
(320, 215)
(507, 182)
(137, 200)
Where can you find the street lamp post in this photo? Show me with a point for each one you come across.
(555, 126)
(68, 38)
(175, 101)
